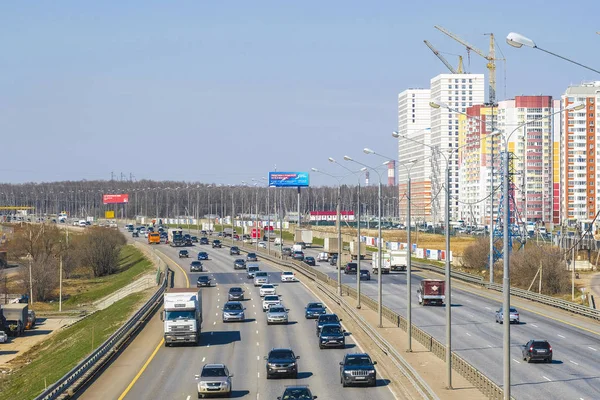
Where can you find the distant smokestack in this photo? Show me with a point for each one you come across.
(366, 178)
(392, 173)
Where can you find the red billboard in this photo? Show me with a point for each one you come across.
(115, 198)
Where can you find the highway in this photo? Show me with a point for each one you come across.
(242, 345)
(574, 372)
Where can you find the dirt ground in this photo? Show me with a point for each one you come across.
(16, 346)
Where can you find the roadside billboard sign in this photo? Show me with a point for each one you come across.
(109, 214)
(288, 179)
(115, 198)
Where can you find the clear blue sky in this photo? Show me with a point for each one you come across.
(223, 91)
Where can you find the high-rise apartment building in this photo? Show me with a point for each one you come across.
(580, 158)
(414, 123)
(457, 92)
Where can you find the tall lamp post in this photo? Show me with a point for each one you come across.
(358, 255)
(379, 241)
(339, 228)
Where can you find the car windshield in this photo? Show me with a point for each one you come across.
(251, 255)
(211, 372)
(267, 287)
(297, 394)
(252, 269)
(282, 354)
(271, 298)
(196, 263)
(309, 258)
(331, 330)
(261, 274)
(325, 319)
(364, 271)
(540, 345)
(174, 315)
(315, 305)
(276, 309)
(235, 290)
(352, 266)
(232, 307)
(234, 248)
(183, 252)
(239, 261)
(202, 278)
(287, 273)
(358, 360)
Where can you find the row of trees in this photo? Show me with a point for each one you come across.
(524, 266)
(172, 198)
(94, 252)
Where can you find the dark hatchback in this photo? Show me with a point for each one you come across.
(537, 350)
(239, 264)
(216, 243)
(282, 362)
(310, 261)
(358, 369)
(351, 268)
(298, 255)
(203, 280)
(333, 260)
(184, 254)
(234, 250)
(236, 293)
(202, 256)
(314, 310)
(251, 257)
(203, 240)
(332, 335)
(326, 319)
(365, 275)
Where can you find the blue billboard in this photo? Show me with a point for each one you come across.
(288, 179)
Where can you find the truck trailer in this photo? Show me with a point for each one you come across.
(431, 292)
(398, 260)
(354, 246)
(182, 315)
(384, 264)
(331, 245)
(304, 235)
(16, 318)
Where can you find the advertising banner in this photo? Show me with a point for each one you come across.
(288, 179)
(109, 214)
(115, 198)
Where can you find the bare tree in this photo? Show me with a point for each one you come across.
(476, 255)
(525, 264)
(100, 249)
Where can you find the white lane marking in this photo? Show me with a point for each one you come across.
(561, 336)
(517, 361)
(468, 334)
(254, 305)
(203, 359)
(257, 358)
(591, 348)
(217, 314)
(215, 322)
(254, 312)
(489, 345)
(189, 397)
(487, 308)
(468, 301)
(220, 299)
(258, 375)
(257, 344)
(257, 331)
(573, 362)
(534, 325)
(256, 322)
(471, 315)
(548, 379)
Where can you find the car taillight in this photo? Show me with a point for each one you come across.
(550, 349)
(531, 349)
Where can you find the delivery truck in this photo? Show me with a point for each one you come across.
(15, 316)
(175, 236)
(398, 260)
(182, 315)
(331, 246)
(431, 292)
(376, 265)
(305, 236)
(354, 249)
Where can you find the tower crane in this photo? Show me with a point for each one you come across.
(459, 70)
(490, 57)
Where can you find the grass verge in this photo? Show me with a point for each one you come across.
(50, 360)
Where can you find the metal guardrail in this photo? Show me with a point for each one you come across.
(485, 385)
(97, 358)
(540, 298)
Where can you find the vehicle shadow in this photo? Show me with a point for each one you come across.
(349, 346)
(292, 322)
(217, 338)
(382, 382)
(37, 332)
(236, 394)
(247, 320)
(304, 375)
(6, 352)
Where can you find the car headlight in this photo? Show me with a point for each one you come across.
(371, 372)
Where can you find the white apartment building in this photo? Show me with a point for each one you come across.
(457, 92)
(579, 156)
(414, 123)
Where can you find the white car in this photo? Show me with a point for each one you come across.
(288, 276)
(267, 289)
(260, 278)
(270, 300)
(323, 257)
(262, 245)
(3, 337)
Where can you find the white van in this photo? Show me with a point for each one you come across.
(278, 242)
(82, 222)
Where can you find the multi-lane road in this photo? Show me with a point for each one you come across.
(169, 373)
(575, 369)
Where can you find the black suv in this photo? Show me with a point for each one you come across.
(326, 319)
(536, 350)
(332, 335)
(203, 240)
(234, 250)
(239, 264)
(350, 268)
(358, 369)
(203, 280)
(216, 243)
(282, 362)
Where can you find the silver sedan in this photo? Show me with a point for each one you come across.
(277, 314)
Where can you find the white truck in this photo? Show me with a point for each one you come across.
(354, 250)
(375, 264)
(182, 315)
(393, 260)
(304, 235)
(176, 237)
(331, 246)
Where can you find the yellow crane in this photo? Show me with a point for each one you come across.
(490, 57)
(458, 70)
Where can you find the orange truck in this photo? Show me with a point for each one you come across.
(153, 238)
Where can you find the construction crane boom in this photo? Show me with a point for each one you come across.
(441, 57)
(491, 58)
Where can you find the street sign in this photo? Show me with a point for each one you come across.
(109, 214)
(288, 179)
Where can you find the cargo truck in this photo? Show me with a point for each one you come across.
(175, 236)
(305, 236)
(227, 232)
(182, 315)
(398, 260)
(431, 292)
(354, 250)
(16, 318)
(375, 264)
(331, 246)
